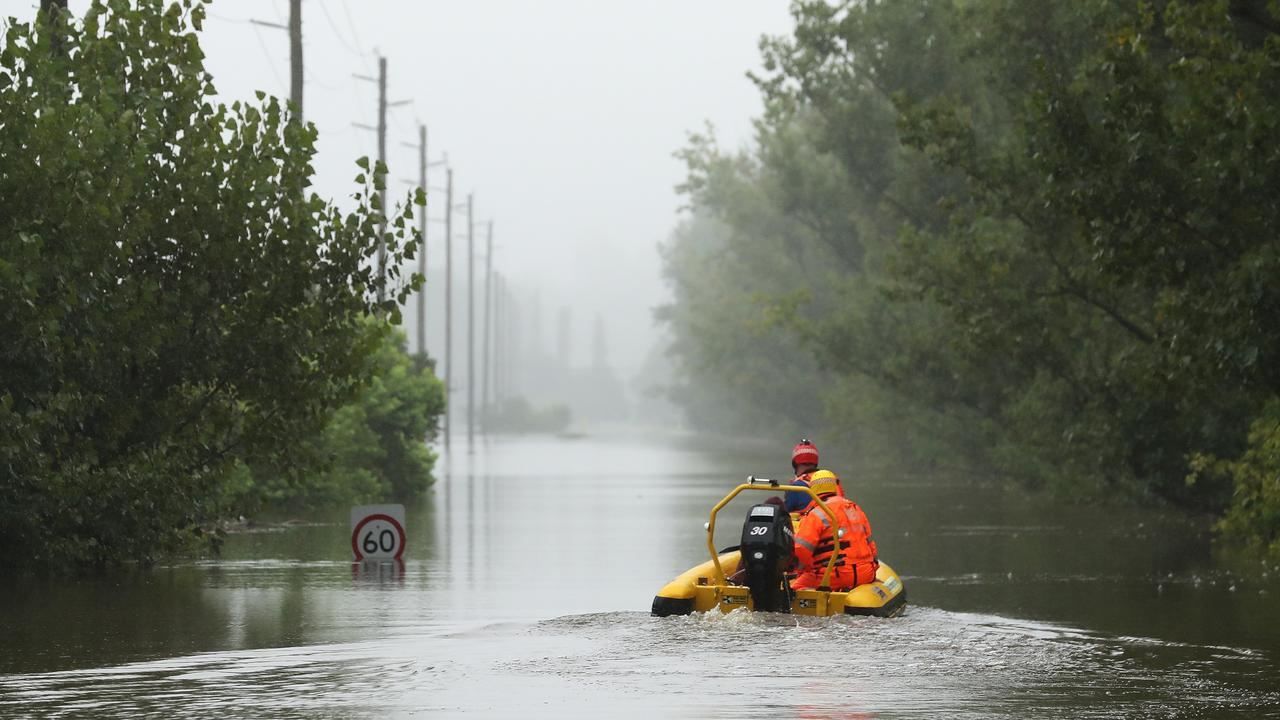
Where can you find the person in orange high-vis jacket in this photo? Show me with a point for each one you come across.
(815, 540)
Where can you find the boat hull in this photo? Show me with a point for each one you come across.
(696, 591)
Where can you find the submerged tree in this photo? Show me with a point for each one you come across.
(170, 298)
(372, 449)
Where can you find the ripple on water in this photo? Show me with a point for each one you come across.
(929, 662)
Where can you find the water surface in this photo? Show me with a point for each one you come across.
(528, 577)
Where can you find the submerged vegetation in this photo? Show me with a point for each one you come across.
(517, 415)
(186, 331)
(1038, 238)
(371, 449)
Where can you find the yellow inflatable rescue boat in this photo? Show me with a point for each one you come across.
(727, 583)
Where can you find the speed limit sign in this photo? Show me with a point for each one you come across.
(377, 532)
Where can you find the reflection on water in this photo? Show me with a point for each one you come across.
(530, 568)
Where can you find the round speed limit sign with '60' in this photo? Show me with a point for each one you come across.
(377, 532)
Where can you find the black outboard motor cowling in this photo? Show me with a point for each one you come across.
(768, 552)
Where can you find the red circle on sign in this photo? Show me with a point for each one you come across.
(355, 534)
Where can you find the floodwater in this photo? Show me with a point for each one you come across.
(530, 570)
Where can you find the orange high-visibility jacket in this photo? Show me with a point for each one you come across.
(815, 542)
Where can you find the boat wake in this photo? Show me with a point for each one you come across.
(928, 662)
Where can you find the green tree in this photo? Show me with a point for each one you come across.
(1253, 518)
(740, 372)
(374, 449)
(1046, 231)
(1137, 190)
(170, 298)
(797, 283)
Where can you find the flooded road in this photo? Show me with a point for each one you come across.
(529, 573)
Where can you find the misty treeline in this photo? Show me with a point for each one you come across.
(1036, 238)
(187, 335)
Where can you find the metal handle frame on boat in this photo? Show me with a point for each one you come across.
(773, 486)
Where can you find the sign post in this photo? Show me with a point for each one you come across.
(377, 532)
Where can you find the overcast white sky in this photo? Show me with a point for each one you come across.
(560, 115)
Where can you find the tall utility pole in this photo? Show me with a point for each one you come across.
(422, 251)
(294, 28)
(52, 10)
(471, 323)
(382, 161)
(448, 308)
(382, 194)
(515, 342)
(295, 56)
(499, 339)
(488, 312)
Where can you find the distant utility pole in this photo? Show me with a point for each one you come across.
(510, 340)
(488, 312)
(564, 328)
(516, 345)
(448, 307)
(471, 323)
(382, 160)
(598, 351)
(294, 28)
(423, 166)
(422, 251)
(499, 339)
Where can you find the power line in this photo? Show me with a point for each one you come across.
(359, 100)
(328, 131)
(324, 8)
(310, 78)
(275, 7)
(224, 18)
(311, 81)
(399, 123)
(267, 53)
(354, 36)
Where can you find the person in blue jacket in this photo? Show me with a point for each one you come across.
(804, 460)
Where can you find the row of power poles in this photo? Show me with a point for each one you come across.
(491, 314)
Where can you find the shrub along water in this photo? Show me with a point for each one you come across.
(372, 450)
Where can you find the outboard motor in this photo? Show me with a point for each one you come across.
(768, 552)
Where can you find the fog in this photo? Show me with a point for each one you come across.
(560, 118)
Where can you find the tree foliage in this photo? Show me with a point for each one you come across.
(372, 449)
(1254, 515)
(171, 299)
(1047, 230)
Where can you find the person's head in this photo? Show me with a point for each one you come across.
(824, 483)
(804, 457)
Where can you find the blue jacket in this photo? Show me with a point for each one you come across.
(797, 502)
